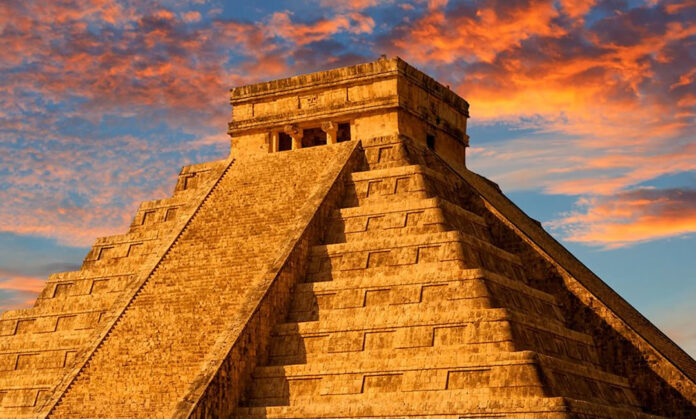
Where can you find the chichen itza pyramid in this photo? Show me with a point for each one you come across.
(344, 263)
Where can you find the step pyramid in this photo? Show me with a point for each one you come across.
(306, 276)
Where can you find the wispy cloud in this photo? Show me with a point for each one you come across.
(630, 217)
(19, 291)
(15, 282)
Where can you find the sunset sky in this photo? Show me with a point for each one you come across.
(583, 111)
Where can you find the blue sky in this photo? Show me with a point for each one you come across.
(582, 110)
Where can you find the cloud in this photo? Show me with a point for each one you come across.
(11, 281)
(472, 33)
(630, 217)
(281, 25)
(191, 17)
(19, 291)
(577, 9)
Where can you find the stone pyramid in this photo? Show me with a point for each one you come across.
(342, 263)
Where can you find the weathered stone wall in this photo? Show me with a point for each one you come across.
(446, 144)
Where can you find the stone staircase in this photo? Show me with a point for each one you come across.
(409, 308)
(175, 325)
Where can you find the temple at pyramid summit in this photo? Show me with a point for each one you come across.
(342, 262)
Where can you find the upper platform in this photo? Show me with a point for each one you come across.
(383, 97)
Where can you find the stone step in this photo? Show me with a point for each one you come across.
(326, 260)
(397, 183)
(468, 351)
(394, 172)
(43, 319)
(445, 371)
(20, 402)
(385, 152)
(164, 215)
(119, 258)
(407, 217)
(32, 375)
(433, 325)
(196, 177)
(473, 288)
(352, 394)
(366, 275)
(426, 359)
(379, 243)
(74, 291)
(458, 404)
(376, 208)
(31, 342)
(93, 274)
(97, 301)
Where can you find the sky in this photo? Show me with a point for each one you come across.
(584, 111)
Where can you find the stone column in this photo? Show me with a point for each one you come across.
(330, 128)
(275, 142)
(296, 133)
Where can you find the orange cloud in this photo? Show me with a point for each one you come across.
(479, 34)
(577, 9)
(23, 290)
(192, 16)
(21, 283)
(637, 169)
(282, 26)
(631, 217)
